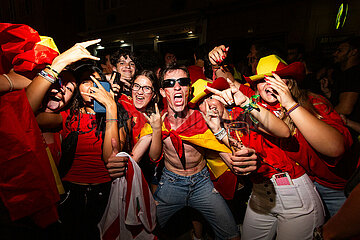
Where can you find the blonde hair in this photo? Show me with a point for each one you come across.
(301, 96)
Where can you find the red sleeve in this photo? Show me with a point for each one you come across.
(247, 91)
(331, 117)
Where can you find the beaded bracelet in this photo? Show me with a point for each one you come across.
(10, 82)
(221, 134)
(47, 76)
(251, 106)
(111, 120)
(55, 73)
(295, 106)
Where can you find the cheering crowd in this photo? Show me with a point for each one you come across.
(114, 146)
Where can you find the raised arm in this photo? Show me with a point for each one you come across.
(154, 140)
(216, 57)
(269, 122)
(111, 129)
(320, 135)
(37, 89)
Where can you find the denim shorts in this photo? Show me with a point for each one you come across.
(197, 191)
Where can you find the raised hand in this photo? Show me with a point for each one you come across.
(155, 120)
(114, 86)
(282, 91)
(212, 118)
(218, 54)
(77, 52)
(100, 94)
(230, 96)
(116, 165)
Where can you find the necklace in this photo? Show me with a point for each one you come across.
(90, 113)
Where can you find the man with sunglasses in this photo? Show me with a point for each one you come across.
(187, 141)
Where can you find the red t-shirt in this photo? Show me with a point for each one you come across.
(327, 171)
(196, 73)
(55, 148)
(88, 166)
(272, 150)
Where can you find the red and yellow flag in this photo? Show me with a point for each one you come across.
(24, 50)
(195, 131)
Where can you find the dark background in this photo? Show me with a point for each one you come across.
(236, 23)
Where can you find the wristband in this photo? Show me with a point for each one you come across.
(10, 82)
(295, 106)
(47, 76)
(251, 106)
(53, 71)
(220, 134)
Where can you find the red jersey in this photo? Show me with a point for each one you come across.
(272, 158)
(196, 73)
(88, 165)
(327, 171)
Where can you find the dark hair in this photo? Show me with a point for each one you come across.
(201, 52)
(173, 68)
(82, 73)
(121, 52)
(155, 84)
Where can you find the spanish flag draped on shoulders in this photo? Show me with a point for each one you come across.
(195, 131)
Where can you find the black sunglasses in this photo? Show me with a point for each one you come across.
(171, 82)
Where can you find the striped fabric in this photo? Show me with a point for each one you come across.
(131, 209)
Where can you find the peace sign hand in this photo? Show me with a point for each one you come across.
(155, 120)
(77, 52)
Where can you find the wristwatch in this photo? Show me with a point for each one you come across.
(318, 233)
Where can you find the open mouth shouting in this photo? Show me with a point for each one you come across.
(178, 99)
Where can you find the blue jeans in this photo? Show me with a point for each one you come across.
(333, 198)
(197, 191)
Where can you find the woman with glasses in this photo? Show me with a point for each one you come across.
(141, 110)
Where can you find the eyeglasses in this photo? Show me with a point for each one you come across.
(146, 89)
(171, 82)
